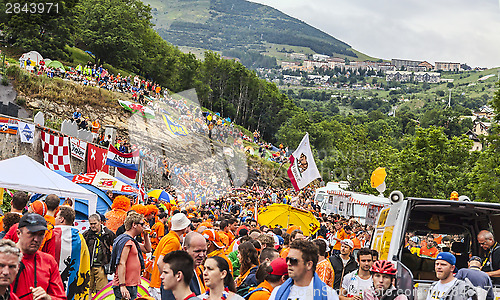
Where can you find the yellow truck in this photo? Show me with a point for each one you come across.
(460, 221)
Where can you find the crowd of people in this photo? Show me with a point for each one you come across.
(215, 251)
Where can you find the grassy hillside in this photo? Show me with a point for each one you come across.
(238, 24)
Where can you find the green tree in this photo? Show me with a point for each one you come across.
(48, 30)
(432, 165)
(113, 30)
(485, 176)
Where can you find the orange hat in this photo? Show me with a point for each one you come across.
(39, 207)
(454, 196)
(139, 208)
(207, 224)
(121, 202)
(213, 236)
(151, 208)
(292, 228)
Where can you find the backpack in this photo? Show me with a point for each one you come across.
(247, 296)
(246, 285)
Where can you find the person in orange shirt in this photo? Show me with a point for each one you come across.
(277, 273)
(438, 239)
(297, 234)
(356, 241)
(158, 230)
(215, 246)
(224, 233)
(96, 126)
(52, 202)
(233, 223)
(324, 267)
(339, 236)
(429, 250)
(169, 243)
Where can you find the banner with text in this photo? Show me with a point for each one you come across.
(78, 148)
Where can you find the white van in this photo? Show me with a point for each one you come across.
(321, 193)
(351, 204)
(458, 219)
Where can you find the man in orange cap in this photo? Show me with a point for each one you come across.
(215, 246)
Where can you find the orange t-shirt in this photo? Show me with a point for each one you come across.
(224, 238)
(357, 243)
(325, 272)
(432, 252)
(159, 231)
(170, 242)
(284, 252)
(341, 235)
(264, 294)
(438, 239)
(50, 219)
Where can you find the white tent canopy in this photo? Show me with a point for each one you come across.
(33, 56)
(25, 174)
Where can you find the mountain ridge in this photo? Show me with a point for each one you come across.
(220, 25)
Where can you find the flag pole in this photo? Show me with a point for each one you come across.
(276, 174)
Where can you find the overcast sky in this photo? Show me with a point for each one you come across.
(466, 31)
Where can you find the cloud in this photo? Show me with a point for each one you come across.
(444, 30)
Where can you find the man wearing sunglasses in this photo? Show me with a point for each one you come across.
(304, 283)
(127, 257)
(491, 263)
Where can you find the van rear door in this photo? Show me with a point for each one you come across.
(389, 234)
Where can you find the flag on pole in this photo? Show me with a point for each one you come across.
(129, 161)
(302, 169)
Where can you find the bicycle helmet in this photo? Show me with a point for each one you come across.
(383, 267)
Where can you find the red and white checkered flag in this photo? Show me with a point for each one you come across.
(56, 154)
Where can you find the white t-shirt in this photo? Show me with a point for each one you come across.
(354, 285)
(305, 292)
(438, 291)
(345, 261)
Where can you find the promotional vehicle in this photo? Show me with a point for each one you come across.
(363, 207)
(419, 217)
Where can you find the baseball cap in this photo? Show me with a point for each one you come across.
(476, 258)
(348, 242)
(213, 236)
(448, 257)
(179, 222)
(33, 222)
(279, 267)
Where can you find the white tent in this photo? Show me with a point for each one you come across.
(33, 56)
(25, 174)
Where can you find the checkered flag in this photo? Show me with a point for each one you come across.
(56, 153)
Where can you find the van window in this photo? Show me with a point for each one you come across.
(320, 197)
